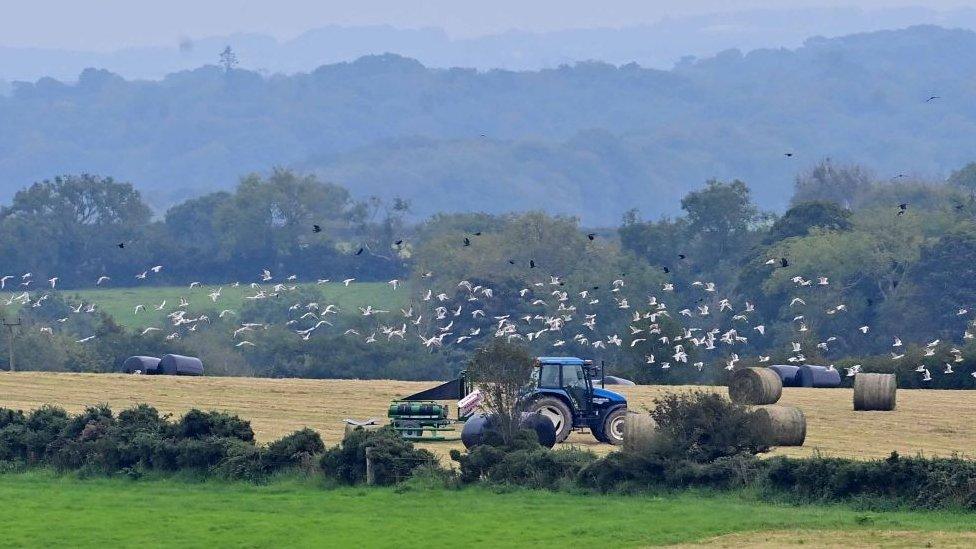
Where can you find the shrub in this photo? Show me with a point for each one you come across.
(293, 449)
(916, 482)
(139, 439)
(702, 426)
(242, 461)
(523, 463)
(197, 424)
(11, 417)
(393, 459)
(623, 471)
(44, 425)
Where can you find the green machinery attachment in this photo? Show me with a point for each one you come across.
(419, 417)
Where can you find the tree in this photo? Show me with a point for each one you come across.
(943, 279)
(270, 219)
(228, 59)
(720, 216)
(965, 178)
(501, 370)
(844, 185)
(70, 227)
(657, 242)
(798, 220)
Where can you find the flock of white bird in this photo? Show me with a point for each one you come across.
(713, 325)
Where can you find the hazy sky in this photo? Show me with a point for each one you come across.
(112, 24)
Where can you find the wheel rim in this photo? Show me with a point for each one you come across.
(617, 428)
(554, 416)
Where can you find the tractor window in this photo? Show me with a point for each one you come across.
(573, 376)
(549, 375)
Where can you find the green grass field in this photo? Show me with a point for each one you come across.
(121, 302)
(42, 510)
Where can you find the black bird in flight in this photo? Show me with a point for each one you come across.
(932, 98)
(902, 208)
(360, 252)
(591, 236)
(121, 244)
(316, 229)
(532, 264)
(398, 242)
(477, 233)
(467, 241)
(511, 262)
(666, 270)
(783, 262)
(682, 256)
(788, 155)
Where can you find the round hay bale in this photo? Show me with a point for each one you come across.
(638, 431)
(755, 386)
(875, 392)
(810, 375)
(784, 425)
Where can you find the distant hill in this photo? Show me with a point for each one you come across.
(654, 45)
(590, 139)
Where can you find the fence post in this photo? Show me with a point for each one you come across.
(370, 475)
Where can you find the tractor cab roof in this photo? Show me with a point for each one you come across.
(565, 360)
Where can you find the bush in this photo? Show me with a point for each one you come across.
(623, 471)
(393, 459)
(703, 426)
(197, 424)
(523, 463)
(895, 481)
(242, 461)
(44, 425)
(293, 449)
(139, 439)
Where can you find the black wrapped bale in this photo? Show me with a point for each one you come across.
(818, 376)
(473, 432)
(787, 374)
(614, 380)
(179, 365)
(544, 429)
(147, 365)
(783, 425)
(875, 392)
(755, 386)
(477, 427)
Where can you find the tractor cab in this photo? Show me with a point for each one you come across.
(562, 389)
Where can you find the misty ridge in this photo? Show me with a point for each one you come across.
(590, 139)
(659, 45)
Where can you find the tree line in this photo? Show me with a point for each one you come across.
(896, 254)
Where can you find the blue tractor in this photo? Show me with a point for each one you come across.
(562, 390)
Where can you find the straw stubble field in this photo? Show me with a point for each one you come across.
(929, 422)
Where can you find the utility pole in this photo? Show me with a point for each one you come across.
(10, 339)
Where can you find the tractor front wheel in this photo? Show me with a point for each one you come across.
(557, 412)
(612, 430)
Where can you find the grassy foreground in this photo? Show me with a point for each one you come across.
(44, 510)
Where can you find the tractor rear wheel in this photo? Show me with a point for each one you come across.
(612, 430)
(557, 412)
